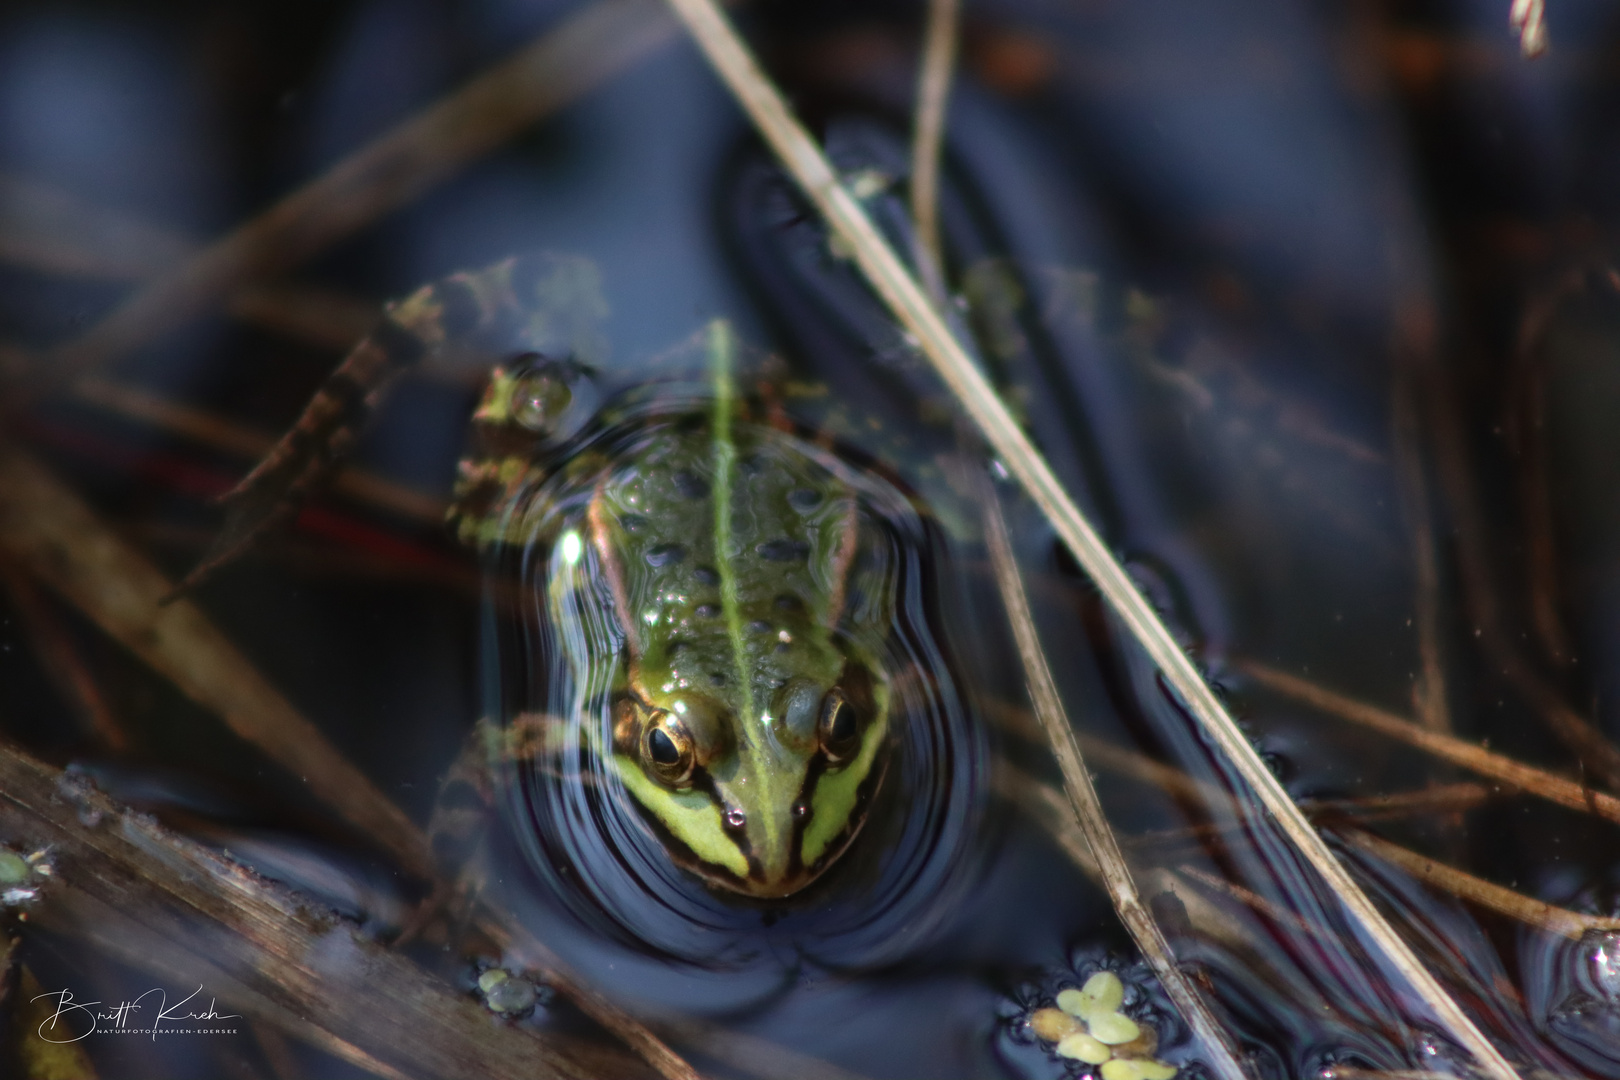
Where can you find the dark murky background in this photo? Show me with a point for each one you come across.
(1377, 245)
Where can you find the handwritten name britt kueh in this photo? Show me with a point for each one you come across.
(72, 1019)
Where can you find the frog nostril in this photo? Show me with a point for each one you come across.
(735, 818)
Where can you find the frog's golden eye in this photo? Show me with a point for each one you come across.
(839, 729)
(667, 749)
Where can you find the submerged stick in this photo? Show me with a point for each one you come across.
(1087, 807)
(906, 300)
(165, 904)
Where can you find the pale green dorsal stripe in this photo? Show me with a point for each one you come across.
(725, 456)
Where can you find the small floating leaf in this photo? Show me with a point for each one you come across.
(1113, 1028)
(1052, 1025)
(1082, 1047)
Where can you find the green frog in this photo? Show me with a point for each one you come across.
(749, 706)
(712, 571)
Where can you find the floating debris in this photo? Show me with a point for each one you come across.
(21, 877)
(507, 994)
(1086, 1024)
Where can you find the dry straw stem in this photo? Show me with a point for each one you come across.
(166, 905)
(1248, 897)
(933, 91)
(1087, 808)
(51, 532)
(1504, 901)
(1526, 778)
(889, 277)
(589, 48)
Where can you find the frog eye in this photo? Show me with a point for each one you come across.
(667, 749)
(539, 399)
(839, 729)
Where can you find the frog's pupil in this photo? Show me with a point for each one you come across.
(662, 747)
(842, 728)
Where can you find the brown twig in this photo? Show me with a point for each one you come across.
(1415, 332)
(390, 172)
(1449, 798)
(1049, 808)
(1595, 752)
(166, 905)
(1526, 778)
(928, 135)
(1527, 422)
(1249, 898)
(1087, 808)
(1486, 894)
(46, 528)
(46, 229)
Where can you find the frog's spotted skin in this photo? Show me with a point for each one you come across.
(736, 560)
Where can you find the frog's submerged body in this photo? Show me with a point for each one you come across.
(719, 593)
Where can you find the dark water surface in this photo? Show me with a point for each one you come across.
(1313, 308)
